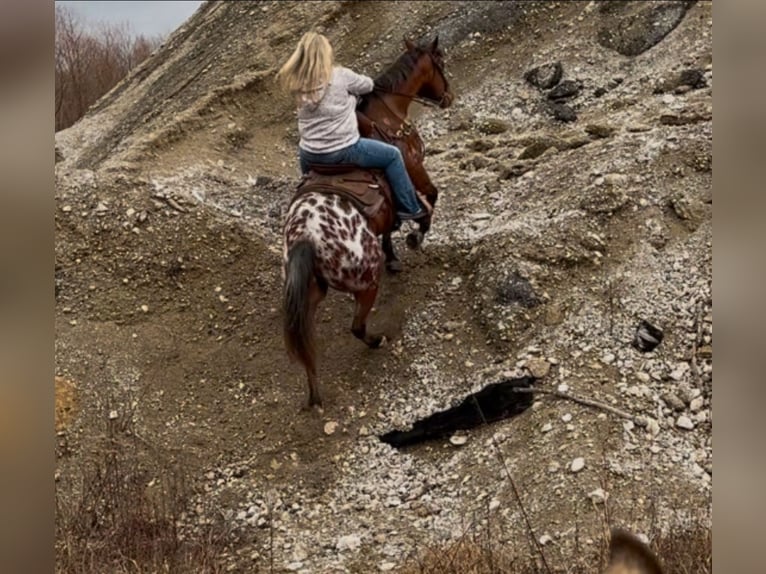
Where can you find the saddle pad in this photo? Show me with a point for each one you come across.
(366, 188)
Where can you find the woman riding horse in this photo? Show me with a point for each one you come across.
(328, 241)
(325, 95)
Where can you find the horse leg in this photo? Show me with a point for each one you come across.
(393, 265)
(423, 183)
(364, 302)
(316, 294)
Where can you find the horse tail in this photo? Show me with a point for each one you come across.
(299, 320)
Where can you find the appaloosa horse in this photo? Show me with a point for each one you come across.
(332, 227)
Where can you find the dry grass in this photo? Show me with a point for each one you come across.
(687, 551)
(121, 511)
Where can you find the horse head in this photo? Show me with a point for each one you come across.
(430, 57)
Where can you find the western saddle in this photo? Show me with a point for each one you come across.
(368, 189)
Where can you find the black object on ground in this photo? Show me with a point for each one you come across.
(647, 337)
(497, 401)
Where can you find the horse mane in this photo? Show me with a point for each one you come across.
(394, 76)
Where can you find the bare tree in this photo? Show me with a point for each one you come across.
(90, 63)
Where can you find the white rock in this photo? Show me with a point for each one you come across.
(553, 467)
(386, 566)
(598, 496)
(563, 388)
(608, 358)
(577, 464)
(458, 439)
(494, 503)
(547, 427)
(538, 367)
(696, 404)
(330, 427)
(300, 553)
(348, 542)
(566, 418)
(653, 427)
(684, 422)
(701, 417)
(678, 373)
(545, 539)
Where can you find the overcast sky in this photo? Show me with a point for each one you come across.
(148, 18)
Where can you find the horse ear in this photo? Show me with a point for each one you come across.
(408, 44)
(435, 43)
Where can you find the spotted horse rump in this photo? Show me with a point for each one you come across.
(347, 254)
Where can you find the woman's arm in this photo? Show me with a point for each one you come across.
(356, 84)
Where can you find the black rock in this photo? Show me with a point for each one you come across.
(566, 89)
(545, 76)
(516, 289)
(647, 337)
(631, 28)
(694, 78)
(563, 112)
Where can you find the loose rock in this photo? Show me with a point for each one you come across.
(684, 422)
(545, 76)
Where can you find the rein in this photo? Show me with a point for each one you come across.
(406, 128)
(419, 99)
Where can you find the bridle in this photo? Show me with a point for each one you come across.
(436, 66)
(405, 126)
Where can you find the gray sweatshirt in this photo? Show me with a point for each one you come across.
(330, 124)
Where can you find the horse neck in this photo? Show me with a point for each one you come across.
(408, 89)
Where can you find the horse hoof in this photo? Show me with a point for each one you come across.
(314, 402)
(414, 239)
(394, 266)
(376, 342)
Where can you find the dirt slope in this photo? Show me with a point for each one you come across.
(553, 239)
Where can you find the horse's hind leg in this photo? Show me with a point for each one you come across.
(393, 265)
(317, 293)
(364, 302)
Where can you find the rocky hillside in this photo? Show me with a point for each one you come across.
(575, 170)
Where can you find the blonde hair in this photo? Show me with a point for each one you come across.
(309, 68)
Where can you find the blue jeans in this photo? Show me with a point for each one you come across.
(377, 155)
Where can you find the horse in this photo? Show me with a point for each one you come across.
(331, 240)
(383, 114)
